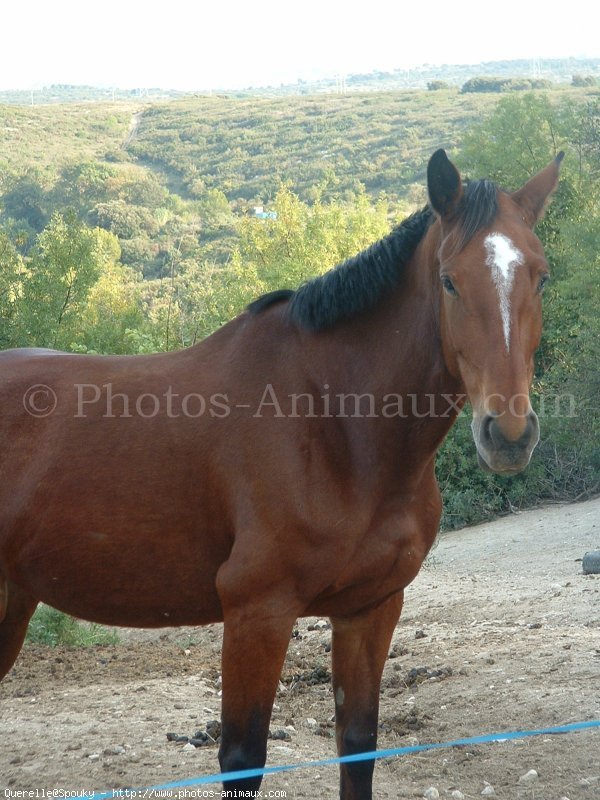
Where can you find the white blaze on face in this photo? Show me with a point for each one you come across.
(502, 259)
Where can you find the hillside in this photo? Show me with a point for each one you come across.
(166, 175)
(248, 147)
(51, 136)
(322, 145)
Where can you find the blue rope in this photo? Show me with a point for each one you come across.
(371, 756)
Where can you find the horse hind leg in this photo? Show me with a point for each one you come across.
(16, 609)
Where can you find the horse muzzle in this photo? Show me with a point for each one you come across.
(496, 451)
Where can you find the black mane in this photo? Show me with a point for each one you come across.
(357, 284)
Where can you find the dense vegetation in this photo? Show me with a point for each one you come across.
(325, 145)
(493, 84)
(127, 232)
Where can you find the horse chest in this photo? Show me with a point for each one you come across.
(384, 561)
(393, 552)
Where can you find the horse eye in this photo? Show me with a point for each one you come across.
(448, 285)
(543, 282)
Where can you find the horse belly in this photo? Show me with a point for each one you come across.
(110, 523)
(145, 562)
(138, 582)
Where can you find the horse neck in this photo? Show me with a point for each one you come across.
(394, 354)
(397, 347)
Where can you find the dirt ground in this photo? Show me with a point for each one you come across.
(501, 631)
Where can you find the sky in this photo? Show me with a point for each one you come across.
(194, 44)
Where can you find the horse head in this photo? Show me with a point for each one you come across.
(492, 272)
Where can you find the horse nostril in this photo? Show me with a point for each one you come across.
(486, 429)
(533, 426)
(493, 435)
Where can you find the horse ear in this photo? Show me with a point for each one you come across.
(444, 185)
(537, 192)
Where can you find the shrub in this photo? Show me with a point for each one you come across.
(584, 80)
(51, 627)
(436, 86)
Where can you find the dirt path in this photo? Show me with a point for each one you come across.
(509, 639)
(134, 124)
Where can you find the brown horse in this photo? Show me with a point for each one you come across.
(284, 467)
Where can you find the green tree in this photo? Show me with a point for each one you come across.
(82, 185)
(12, 274)
(304, 241)
(65, 263)
(214, 209)
(113, 307)
(584, 80)
(516, 139)
(25, 199)
(123, 219)
(437, 86)
(484, 84)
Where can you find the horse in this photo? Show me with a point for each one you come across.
(284, 466)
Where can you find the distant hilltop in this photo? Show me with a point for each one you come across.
(540, 71)
(559, 70)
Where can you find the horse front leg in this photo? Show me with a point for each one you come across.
(360, 646)
(257, 631)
